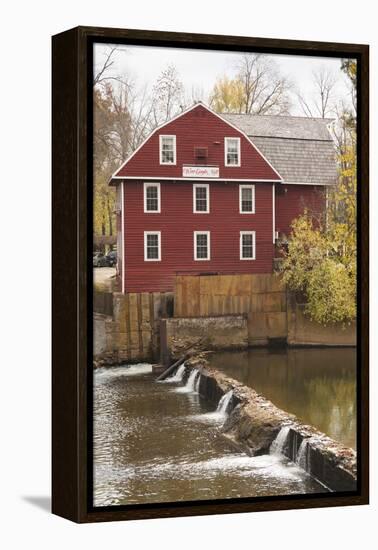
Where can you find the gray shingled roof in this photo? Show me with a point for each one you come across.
(300, 149)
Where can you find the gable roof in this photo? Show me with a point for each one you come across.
(118, 173)
(300, 148)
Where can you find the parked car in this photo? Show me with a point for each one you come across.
(111, 258)
(99, 260)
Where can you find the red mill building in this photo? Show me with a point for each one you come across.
(209, 193)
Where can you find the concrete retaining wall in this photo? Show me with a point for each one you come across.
(303, 331)
(99, 334)
(213, 333)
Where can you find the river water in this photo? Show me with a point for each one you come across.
(316, 384)
(159, 442)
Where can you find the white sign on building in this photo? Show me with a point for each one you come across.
(200, 172)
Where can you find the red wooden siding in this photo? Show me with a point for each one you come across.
(119, 243)
(198, 128)
(177, 222)
(291, 201)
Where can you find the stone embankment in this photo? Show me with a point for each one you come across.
(255, 422)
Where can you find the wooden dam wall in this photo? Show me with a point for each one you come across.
(264, 312)
(132, 331)
(261, 297)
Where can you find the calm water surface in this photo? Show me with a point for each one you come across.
(156, 442)
(318, 384)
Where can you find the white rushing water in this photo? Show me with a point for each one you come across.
(264, 466)
(278, 445)
(105, 373)
(224, 402)
(197, 383)
(190, 383)
(178, 376)
(219, 415)
(302, 458)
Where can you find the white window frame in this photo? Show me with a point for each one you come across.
(253, 233)
(226, 139)
(241, 187)
(195, 246)
(145, 186)
(195, 186)
(161, 137)
(158, 233)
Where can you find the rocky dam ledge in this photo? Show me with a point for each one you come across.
(255, 422)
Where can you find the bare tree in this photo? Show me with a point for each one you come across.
(321, 102)
(121, 124)
(265, 90)
(349, 67)
(102, 74)
(142, 120)
(196, 94)
(168, 95)
(258, 88)
(123, 117)
(343, 128)
(133, 118)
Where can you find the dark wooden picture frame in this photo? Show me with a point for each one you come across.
(72, 174)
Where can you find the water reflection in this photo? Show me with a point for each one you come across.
(318, 384)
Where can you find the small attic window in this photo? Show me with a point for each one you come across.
(232, 151)
(167, 145)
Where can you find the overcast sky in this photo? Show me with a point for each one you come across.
(201, 68)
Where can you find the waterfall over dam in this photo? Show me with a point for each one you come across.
(199, 425)
(158, 448)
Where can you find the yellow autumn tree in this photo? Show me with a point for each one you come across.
(321, 261)
(227, 96)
